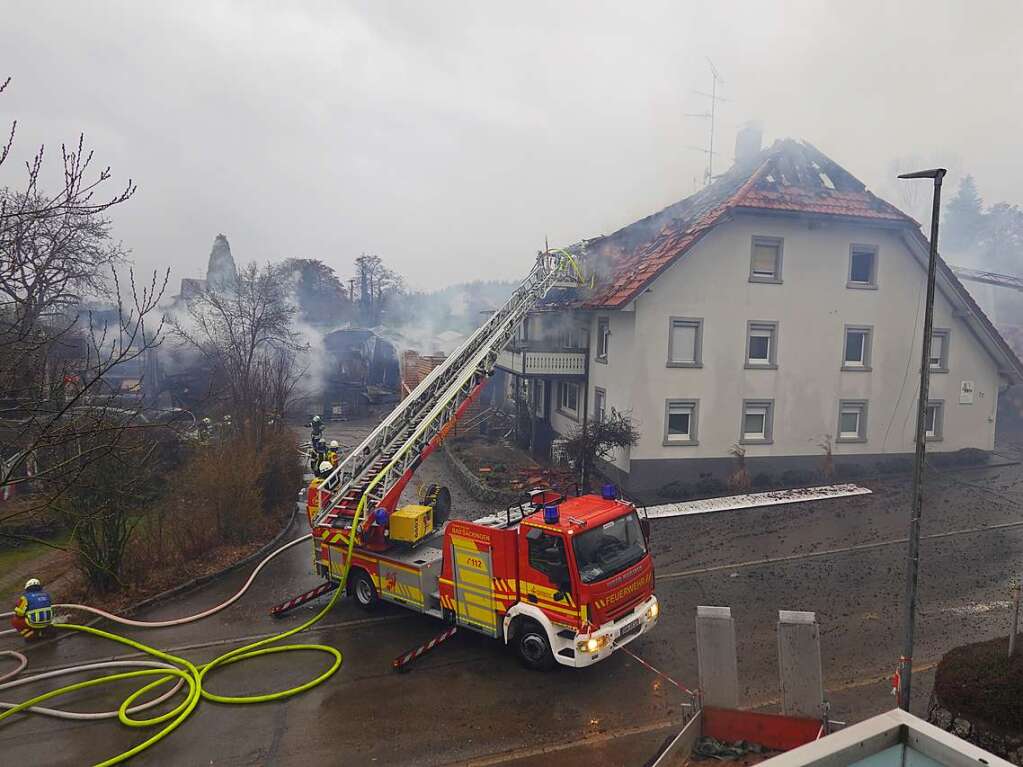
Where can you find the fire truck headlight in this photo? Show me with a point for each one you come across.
(653, 611)
(592, 645)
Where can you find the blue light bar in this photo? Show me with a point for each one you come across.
(551, 515)
(609, 492)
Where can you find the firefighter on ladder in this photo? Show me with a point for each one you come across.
(317, 451)
(34, 612)
(334, 452)
(315, 496)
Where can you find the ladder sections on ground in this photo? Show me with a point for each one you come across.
(380, 467)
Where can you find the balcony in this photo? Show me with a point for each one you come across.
(535, 359)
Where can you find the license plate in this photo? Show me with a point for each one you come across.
(629, 628)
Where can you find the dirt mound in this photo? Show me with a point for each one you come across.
(981, 680)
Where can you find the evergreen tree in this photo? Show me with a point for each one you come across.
(964, 218)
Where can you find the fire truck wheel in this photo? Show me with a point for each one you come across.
(533, 647)
(363, 590)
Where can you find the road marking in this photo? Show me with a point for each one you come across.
(831, 552)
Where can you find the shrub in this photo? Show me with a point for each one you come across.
(225, 492)
(739, 480)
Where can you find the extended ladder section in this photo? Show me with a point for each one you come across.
(375, 473)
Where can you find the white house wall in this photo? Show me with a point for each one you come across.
(615, 379)
(812, 306)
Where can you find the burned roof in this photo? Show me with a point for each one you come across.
(787, 177)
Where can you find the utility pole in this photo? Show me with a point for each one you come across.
(913, 552)
(708, 175)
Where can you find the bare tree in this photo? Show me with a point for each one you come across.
(246, 334)
(598, 439)
(56, 416)
(377, 284)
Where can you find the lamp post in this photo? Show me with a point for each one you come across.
(913, 552)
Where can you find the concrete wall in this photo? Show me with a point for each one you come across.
(811, 306)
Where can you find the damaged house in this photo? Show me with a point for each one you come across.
(778, 312)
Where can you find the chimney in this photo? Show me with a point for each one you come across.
(747, 141)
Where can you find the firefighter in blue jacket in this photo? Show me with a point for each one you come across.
(34, 612)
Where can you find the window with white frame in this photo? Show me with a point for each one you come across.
(599, 404)
(856, 351)
(765, 259)
(685, 342)
(761, 342)
(680, 421)
(939, 350)
(862, 266)
(933, 420)
(757, 417)
(603, 338)
(568, 398)
(852, 421)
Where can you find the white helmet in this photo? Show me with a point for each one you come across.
(316, 419)
(32, 582)
(334, 443)
(326, 466)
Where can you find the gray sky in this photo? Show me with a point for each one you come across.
(450, 138)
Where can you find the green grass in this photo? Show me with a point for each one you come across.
(12, 560)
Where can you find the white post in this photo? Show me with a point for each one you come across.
(716, 655)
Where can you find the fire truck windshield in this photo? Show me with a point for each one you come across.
(609, 549)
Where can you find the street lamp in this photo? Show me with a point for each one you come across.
(913, 552)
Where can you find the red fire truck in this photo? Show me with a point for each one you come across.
(561, 580)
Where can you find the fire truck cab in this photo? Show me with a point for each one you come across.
(560, 580)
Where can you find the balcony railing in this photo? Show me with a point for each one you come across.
(543, 362)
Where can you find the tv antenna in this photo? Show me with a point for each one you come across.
(711, 115)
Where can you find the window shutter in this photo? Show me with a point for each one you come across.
(683, 343)
(765, 260)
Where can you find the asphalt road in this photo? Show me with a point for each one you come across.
(470, 702)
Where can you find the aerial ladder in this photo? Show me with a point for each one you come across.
(367, 484)
(988, 278)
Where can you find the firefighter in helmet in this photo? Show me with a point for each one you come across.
(334, 452)
(316, 424)
(205, 429)
(314, 495)
(34, 612)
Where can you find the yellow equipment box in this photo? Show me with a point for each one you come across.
(412, 523)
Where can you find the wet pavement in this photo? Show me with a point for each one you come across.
(470, 701)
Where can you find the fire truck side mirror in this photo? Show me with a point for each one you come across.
(644, 525)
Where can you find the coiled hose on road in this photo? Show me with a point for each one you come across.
(168, 667)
